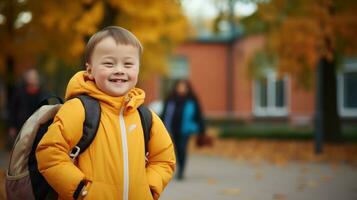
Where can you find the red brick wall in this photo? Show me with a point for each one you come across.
(152, 89)
(243, 97)
(207, 72)
(302, 103)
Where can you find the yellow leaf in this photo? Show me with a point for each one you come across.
(230, 191)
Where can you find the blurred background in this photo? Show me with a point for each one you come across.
(276, 79)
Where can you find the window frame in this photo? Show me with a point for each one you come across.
(349, 66)
(270, 110)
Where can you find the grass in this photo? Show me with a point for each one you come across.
(278, 132)
(266, 132)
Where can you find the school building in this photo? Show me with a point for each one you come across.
(226, 90)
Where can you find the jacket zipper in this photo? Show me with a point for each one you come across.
(125, 156)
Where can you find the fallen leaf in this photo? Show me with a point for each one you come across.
(311, 183)
(325, 178)
(230, 191)
(211, 181)
(279, 197)
(266, 150)
(301, 187)
(258, 175)
(304, 170)
(334, 166)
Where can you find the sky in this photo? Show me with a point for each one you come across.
(194, 9)
(207, 8)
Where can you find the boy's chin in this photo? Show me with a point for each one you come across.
(118, 93)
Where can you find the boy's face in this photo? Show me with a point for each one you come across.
(32, 78)
(114, 67)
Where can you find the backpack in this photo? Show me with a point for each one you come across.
(23, 179)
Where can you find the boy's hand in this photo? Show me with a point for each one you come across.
(153, 194)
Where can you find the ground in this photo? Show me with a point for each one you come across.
(213, 178)
(260, 170)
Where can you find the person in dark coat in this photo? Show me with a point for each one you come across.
(182, 116)
(23, 102)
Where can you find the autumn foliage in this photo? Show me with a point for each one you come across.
(301, 32)
(276, 152)
(57, 31)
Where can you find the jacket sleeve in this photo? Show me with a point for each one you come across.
(52, 152)
(162, 161)
(200, 118)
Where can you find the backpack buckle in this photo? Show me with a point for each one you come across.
(75, 152)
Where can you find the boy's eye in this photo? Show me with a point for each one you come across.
(128, 64)
(109, 64)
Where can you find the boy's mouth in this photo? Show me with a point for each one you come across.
(118, 80)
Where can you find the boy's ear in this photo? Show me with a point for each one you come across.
(89, 71)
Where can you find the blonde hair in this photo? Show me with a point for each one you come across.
(119, 34)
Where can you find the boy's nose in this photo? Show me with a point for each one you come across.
(118, 69)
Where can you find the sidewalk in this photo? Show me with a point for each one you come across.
(213, 178)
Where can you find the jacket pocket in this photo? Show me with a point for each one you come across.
(148, 190)
(98, 190)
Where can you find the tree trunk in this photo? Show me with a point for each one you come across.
(10, 78)
(11, 7)
(328, 124)
(110, 14)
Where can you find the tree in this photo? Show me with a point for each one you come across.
(36, 32)
(307, 36)
(227, 14)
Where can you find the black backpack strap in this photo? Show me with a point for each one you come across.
(146, 123)
(90, 124)
(47, 101)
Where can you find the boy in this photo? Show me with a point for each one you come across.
(113, 167)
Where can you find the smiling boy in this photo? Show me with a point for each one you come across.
(114, 166)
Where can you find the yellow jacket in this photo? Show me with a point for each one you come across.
(114, 164)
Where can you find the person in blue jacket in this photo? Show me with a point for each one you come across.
(183, 117)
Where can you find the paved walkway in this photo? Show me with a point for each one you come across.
(212, 178)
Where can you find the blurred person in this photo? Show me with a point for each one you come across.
(23, 102)
(183, 117)
(115, 165)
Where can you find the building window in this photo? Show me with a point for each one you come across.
(347, 89)
(178, 69)
(270, 96)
